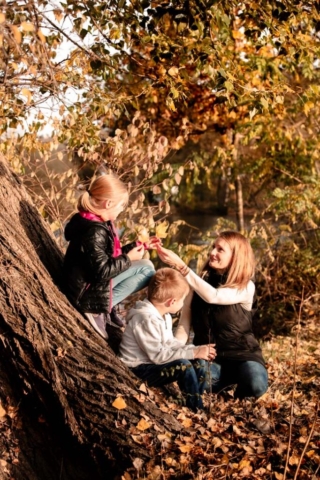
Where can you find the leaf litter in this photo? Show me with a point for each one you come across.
(274, 437)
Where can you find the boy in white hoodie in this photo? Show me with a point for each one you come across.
(149, 348)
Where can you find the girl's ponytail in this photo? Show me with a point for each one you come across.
(104, 187)
(84, 203)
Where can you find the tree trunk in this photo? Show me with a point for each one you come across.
(223, 192)
(240, 217)
(63, 375)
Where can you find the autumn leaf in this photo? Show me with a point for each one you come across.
(173, 71)
(138, 463)
(27, 26)
(26, 93)
(243, 463)
(161, 229)
(2, 411)
(119, 403)
(143, 234)
(16, 33)
(143, 425)
(187, 423)
(185, 448)
(41, 36)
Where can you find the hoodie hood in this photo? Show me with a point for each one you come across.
(144, 308)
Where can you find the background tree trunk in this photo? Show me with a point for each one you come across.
(240, 216)
(55, 366)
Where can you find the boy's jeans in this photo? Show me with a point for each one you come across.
(250, 377)
(190, 375)
(132, 280)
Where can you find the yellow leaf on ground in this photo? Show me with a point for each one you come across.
(244, 464)
(138, 463)
(187, 423)
(173, 71)
(119, 403)
(185, 448)
(143, 425)
(2, 411)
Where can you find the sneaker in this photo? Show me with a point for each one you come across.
(116, 320)
(99, 323)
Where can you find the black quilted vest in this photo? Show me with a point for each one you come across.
(228, 326)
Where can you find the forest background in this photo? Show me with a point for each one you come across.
(199, 105)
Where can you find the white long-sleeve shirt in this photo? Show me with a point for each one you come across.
(148, 338)
(217, 296)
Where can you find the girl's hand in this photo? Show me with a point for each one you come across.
(153, 242)
(169, 257)
(136, 253)
(206, 352)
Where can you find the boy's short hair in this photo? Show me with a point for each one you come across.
(167, 283)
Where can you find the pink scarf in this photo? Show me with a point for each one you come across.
(95, 218)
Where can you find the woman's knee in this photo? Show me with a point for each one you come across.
(259, 386)
(255, 386)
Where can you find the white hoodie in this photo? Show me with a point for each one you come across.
(148, 338)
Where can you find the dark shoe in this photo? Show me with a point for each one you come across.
(116, 320)
(98, 321)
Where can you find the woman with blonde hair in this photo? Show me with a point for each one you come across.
(98, 272)
(220, 311)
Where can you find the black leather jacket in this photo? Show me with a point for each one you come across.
(228, 326)
(89, 265)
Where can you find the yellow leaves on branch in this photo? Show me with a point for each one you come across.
(162, 229)
(27, 26)
(41, 36)
(16, 33)
(307, 107)
(26, 93)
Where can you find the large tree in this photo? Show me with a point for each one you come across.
(56, 368)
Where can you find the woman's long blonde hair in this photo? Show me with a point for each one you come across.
(102, 188)
(242, 263)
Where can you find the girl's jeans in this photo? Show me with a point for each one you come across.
(132, 280)
(190, 375)
(250, 377)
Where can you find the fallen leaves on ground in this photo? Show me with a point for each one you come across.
(248, 439)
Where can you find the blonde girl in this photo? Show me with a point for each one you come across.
(98, 272)
(220, 311)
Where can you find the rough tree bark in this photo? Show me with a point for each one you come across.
(55, 366)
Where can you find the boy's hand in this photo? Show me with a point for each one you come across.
(205, 352)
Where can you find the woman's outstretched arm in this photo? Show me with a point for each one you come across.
(218, 296)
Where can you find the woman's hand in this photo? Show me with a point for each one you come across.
(153, 242)
(169, 257)
(136, 253)
(206, 352)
